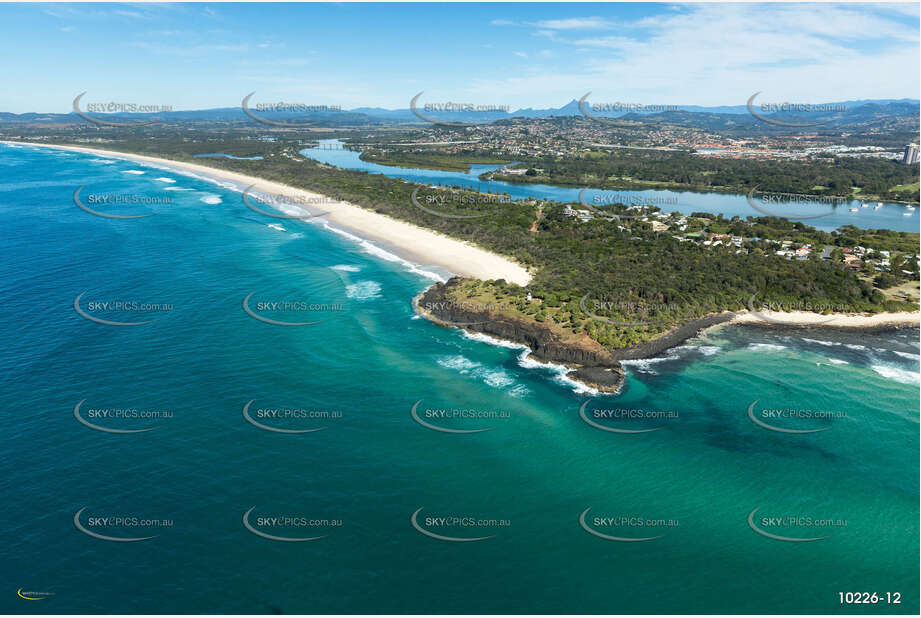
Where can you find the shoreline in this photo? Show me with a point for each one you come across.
(415, 244)
(599, 369)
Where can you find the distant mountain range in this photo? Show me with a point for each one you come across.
(856, 112)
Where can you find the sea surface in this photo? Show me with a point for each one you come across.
(212, 384)
(824, 215)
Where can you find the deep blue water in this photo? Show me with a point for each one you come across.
(358, 480)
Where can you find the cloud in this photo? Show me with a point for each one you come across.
(721, 54)
(520, 54)
(574, 23)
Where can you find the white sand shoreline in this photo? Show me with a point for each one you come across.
(416, 244)
(841, 321)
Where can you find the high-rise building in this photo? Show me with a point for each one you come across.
(911, 154)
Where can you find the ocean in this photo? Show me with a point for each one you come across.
(149, 466)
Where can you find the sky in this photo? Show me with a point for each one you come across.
(199, 56)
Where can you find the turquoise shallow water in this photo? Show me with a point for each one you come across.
(358, 481)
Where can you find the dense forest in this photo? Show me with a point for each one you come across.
(643, 169)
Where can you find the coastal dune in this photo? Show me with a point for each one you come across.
(415, 243)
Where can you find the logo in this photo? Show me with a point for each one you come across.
(623, 414)
(447, 521)
(105, 429)
(115, 107)
(278, 413)
(272, 199)
(603, 214)
(445, 414)
(760, 423)
(415, 201)
(119, 305)
(279, 521)
(779, 307)
(788, 107)
(611, 521)
(274, 123)
(453, 107)
(761, 209)
(86, 208)
(106, 521)
(297, 306)
(781, 521)
(32, 595)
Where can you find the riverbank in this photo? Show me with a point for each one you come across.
(416, 244)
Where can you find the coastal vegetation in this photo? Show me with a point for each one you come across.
(618, 281)
(652, 169)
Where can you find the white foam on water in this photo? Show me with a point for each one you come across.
(838, 361)
(855, 346)
(766, 346)
(561, 373)
(212, 199)
(136, 172)
(501, 343)
(372, 249)
(907, 355)
(346, 268)
(496, 378)
(709, 350)
(363, 290)
(276, 226)
(519, 391)
(166, 180)
(820, 342)
(103, 161)
(460, 363)
(176, 189)
(644, 365)
(904, 376)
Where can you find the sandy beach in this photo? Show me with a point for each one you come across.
(414, 243)
(842, 321)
